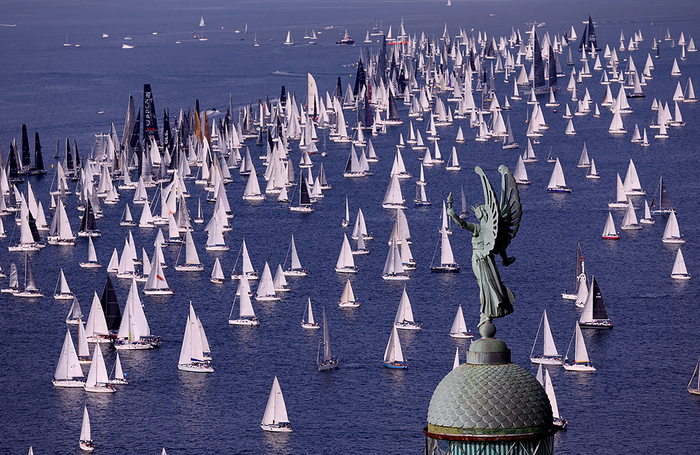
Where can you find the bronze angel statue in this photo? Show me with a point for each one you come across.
(499, 223)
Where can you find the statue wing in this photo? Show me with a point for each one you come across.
(490, 222)
(510, 209)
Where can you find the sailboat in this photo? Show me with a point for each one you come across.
(68, 370)
(672, 233)
(127, 219)
(580, 271)
(192, 262)
(62, 291)
(217, 273)
(393, 355)
(304, 202)
(609, 231)
(665, 205)
(275, 418)
(581, 360)
(550, 356)
(92, 261)
(324, 359)
(529, 155)
(88, 226)
(97, 379)
(295, 268)
(60, 232)
(288, 41)
(447, 259)
(459, 326)
(85, 436)
(75, 314)
(266, 287)
(404, 314)
(119, 377)
(347, 298)
(345, 263)
(346, 220)
(307, 321)
(30, 289)
(393, 267)
(647, 218)
(549, 389)
(156, 283)
(583, 161)
(557, 183)
(592, 171)
(629, 222)
(360, 229)
(96, 327)
(134, 332)
(247, 269)
(520, 173)
(594, 315)
(246, 314)
(393, 197)
(679, 271)
(193, 354)
(621, 199)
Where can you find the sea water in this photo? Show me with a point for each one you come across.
(636, 400)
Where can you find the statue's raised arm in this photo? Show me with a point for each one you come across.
(499, 223)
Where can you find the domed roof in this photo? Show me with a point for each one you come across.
(489, 399)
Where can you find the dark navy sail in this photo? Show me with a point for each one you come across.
(150, 124)
(110, 306)
(552, 66)
(538, 82)
(38, 158)
(26, 154)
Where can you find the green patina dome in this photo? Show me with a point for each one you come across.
(489, 398)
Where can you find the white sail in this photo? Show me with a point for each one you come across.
(266, 287)
(405, 313)
(347, 298)
(275, 411)
(85, 434)
(393, 352)
(96, 326)
(557, 181)
(97, 378)
(609, 230)
(68, 366)
(672, 233)
(245, 307)
(581, 354)
(459, 326)
(549, 388)
(549, 347)
(679, 270)
(345, 262)
(446, 256)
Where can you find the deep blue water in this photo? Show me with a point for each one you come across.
(635, 402)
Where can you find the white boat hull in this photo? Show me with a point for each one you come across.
(579, 367)
(195, 367)
(248, 322)
(90, 265)
(306, 325)
(100, 389)
(395, 277)
(63, 296)
(566, 296)
(190, 268)
(276, 428)
(671, 240)
(28, 294)
(87, 446)
(464, 335)
(68, 383)
(407, 325)
(547, 360)
(158, 291)
(291, 272)
(346, 269)
(680, 276)
(349, 304)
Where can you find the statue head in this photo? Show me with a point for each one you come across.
(479, 211)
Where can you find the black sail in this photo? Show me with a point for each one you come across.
(150, 124)
(110, 306)
(599, 311)
(539, 82)
(26, 154)
(38, 159)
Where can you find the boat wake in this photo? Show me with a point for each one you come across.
(284, 73)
